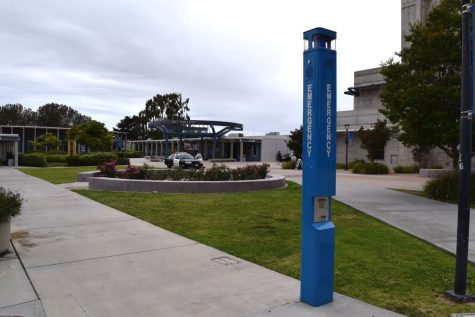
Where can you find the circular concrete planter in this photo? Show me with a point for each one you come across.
(133, 185)
(4, 237)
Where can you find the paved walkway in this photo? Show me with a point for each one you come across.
(82, 258)
(429, 220)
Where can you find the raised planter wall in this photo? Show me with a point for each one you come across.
(84, 176)
(133, 185)
(433, 172)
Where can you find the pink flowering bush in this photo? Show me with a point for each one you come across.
(108, 169)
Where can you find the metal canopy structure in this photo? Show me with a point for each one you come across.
(194, 129)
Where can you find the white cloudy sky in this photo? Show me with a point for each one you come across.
(237, 60)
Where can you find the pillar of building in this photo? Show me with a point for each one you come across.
(241, 151)
(15, 152)
(231, 150)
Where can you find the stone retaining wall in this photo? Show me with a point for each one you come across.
(433, 172)
(134, 185)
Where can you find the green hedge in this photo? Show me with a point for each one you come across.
(290, 165)
(56, 158)
(370, 168)
(90, 159)
(406, 169)
(129, 154)
(446, 187)
(34, 159)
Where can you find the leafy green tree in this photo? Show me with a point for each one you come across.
(16, 114)
(47, 140)
(132, 126)
(422, 92)
(169, 106)
(94, 135)
(295, 142)
(56, 115)
(374, 140)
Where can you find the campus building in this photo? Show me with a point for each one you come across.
(234, 147)
(367, 88)
(31, 133)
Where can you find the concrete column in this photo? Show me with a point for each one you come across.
(15, 152)
(222, 149)
(241, 151)
(161, 148)
(23, 141)
(231, 149)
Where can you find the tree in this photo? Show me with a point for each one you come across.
(373, 141)
(169, 106)
(94, 135)
(46, 140)
(422, 93)
(56, 115)
(295, 142)
(132, 126)
(16, 114)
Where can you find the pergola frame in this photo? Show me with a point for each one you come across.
(194, 129)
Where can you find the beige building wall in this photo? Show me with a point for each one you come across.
(370, 84)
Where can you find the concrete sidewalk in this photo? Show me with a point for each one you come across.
(427, 219)
(86, 259)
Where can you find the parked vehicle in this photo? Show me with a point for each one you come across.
(183, 160)
(286, 157)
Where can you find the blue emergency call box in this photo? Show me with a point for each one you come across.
(319, 166)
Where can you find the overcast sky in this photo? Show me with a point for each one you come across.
(238, 61)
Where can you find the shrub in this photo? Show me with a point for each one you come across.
(217, 173)
(123, 161)
(406, 169)
(129, 154)
(55, 152)
(90, 159)
(352, 163)
(288, 165)
(340, 166)
(135, 172)
(250, 172)
(56, 158)
(370, 168)
(34, 159)
(108, 169)
(446, 187)
(10, 204)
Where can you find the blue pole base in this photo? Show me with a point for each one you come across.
(318, 257)
(460, 298)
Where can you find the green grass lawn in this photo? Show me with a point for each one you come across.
(374, 262)
(59, 175)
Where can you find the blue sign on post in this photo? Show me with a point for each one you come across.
(319, 166)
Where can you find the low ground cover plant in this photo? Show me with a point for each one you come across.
(370, 168)
(446, 188)
(406, 169)
(289, 165)
(33, 159)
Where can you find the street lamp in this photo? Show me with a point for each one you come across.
(347, 126)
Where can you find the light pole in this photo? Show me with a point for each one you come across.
(459, 293)
(347, 126)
